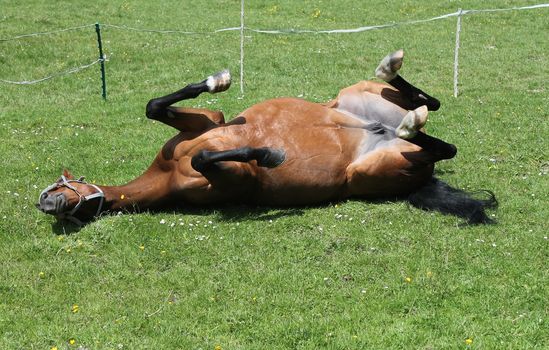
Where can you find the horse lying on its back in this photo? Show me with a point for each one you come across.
(368, 143)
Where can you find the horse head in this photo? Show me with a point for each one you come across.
(74, 200)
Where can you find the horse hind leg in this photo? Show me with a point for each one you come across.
(412, 122)
(409, 130)
(190, 119)
(390, 65)
(388, 71)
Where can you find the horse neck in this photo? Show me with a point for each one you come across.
(147, 191)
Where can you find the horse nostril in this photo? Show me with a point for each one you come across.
(44, 195)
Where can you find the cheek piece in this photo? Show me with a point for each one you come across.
(69, 215)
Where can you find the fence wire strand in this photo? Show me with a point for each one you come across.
(285, 31)
(241, 28)
(389, 25)
(46, 33)
(168, 31)
(68, 71)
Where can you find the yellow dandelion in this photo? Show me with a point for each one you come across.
(53, 348)
(162, 252)
(41, 274)
(142, 247)
(68, 250)
(75, 308)
(60, 238)
(72, 341)
(429, 274)
(217, 347)
(122, 196)
(408, 280)
(316, 13)
(468, 341)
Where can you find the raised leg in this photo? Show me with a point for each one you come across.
(230, 173)
(364, 99)
(205, 160)
(388, 71)
(412, 122)
(193, 119)
(186, 119)
(436, 148)
(409, 130)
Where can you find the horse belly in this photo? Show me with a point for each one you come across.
(317, 149)
(301, 182)
(314, 168)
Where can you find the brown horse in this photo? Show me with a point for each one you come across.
(366, 143)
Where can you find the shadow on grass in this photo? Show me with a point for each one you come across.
(246, 212)
(239, 212)
(228, 213)
(64, 227)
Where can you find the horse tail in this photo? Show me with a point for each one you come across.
(438, 196)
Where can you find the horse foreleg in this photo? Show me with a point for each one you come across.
(230, 175)
(205, 160)
(189, 119)
(193, 119)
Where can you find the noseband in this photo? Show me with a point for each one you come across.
(81, 198)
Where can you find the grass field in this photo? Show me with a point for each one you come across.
(350, 275)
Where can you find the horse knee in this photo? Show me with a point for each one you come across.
(358, 170)
(217, 117)
(361, 86)
(368, 86)
(200, 160)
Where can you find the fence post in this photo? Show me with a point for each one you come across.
(456, 53)
(101, 61)
(242, 47)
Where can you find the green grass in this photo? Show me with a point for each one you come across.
(332, 276)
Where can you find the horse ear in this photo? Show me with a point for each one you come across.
(67, 174)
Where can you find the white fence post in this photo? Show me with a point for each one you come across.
(242, 47)
(456, 53)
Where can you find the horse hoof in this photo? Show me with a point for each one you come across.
(389, 66)
(219, 82)
(412, 122)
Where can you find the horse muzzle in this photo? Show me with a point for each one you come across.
(52, 204)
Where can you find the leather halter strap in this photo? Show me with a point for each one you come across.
(81, 198)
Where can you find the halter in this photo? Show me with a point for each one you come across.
(81, 198)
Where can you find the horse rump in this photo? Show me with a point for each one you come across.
(439, 196)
